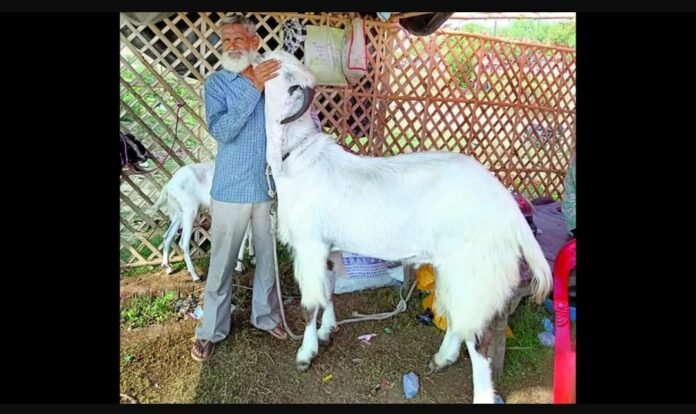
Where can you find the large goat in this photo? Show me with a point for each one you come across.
(430, 207)
(185, 195)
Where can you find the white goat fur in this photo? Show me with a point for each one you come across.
(430, 207)
(185, 195)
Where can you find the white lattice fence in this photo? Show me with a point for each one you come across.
(511, 105)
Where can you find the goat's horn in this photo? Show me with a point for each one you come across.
(308, 93)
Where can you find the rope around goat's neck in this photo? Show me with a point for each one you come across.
(357, 317)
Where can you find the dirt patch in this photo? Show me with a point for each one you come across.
(251, 366)
(157, 283)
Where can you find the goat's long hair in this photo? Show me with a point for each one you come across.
(441, 208)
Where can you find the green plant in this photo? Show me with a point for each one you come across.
(146, 310)
(527, 356)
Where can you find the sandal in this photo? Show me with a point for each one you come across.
(279, 332)
(202, 350)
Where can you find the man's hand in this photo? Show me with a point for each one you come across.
(263, 72)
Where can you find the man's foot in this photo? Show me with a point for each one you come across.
(279, 332)
(202, 350)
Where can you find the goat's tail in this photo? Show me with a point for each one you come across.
(542, 280)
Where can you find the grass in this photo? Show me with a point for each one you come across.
(251, 358)
(139, 271)
(177, 266)
(250, 367)
(145, 310)
(526, 357)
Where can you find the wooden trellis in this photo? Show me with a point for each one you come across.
(509, 104)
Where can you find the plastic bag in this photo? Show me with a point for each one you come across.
(356, 273)
(425, 280)
(323, 51)
(293, 35)
(354, 51)
(411, 385)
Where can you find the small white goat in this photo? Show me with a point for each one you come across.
(430, 207)
(185, 195)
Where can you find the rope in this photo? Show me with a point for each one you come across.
(272, 194)
(357, 317)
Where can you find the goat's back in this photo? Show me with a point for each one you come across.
(189, 187)
(401, 206)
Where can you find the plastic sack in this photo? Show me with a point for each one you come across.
(355, 272)
(354, 51)
(323, 51)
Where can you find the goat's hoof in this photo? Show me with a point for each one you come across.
(196, 280)
(484, 398)
(434, 367)
(325, 339)
(302, 366)
(169, 269)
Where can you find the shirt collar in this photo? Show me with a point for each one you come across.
(233, 75)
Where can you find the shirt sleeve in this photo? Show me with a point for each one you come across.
(226, 117)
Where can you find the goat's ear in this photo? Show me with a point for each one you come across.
(276, 143)
(276, 96)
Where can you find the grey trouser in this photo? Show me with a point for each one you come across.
(229, 221)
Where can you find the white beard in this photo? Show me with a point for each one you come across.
(237, 61)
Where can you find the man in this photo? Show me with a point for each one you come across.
(568, 202)
(568, 209)
(234, 105)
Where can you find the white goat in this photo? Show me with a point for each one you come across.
(186, 194)
(429, 207)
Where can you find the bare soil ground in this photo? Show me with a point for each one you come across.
(251, 366)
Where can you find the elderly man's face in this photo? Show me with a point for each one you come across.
(238, 47)
(236, 38)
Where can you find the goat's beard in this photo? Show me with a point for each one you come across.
(238, 60)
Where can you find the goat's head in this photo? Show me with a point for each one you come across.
(133, 152)
(288, 98)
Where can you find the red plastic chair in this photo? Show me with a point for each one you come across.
(564, 351)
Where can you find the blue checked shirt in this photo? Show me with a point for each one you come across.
(235, 115)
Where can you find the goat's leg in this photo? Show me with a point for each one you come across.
(310, 346)
(168, 238)
(328, 324)
(252, 254)
(483, 383)
(187, 230)
(240, 257)
(328, 317)
(311, 275)
(449, 351)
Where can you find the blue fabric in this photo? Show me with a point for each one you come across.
(235, 115)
